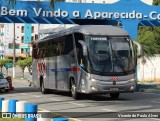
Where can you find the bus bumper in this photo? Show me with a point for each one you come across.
(108, 87)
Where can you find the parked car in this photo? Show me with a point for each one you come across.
(4, 85)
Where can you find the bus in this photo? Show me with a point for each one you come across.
(86, 59)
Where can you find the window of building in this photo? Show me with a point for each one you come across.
(22, 39)
(32, 29)
(36, 36)
(32, 38)
(22, 51)
(22, 29)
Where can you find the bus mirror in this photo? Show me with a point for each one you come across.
(139, 49)
(85, 53)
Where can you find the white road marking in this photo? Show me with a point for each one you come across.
(109, 110)
(155, 102)
(76, 104)
(54, 99)
(23, 93)
(37, 96)
(43, 110)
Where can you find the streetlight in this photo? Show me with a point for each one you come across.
(14, 52)
(1, 43)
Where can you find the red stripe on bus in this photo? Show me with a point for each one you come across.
(75, 69)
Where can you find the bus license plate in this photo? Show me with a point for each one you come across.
(113, 89)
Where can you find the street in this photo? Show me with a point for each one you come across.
(62, 102)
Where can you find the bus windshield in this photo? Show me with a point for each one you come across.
(109, 54)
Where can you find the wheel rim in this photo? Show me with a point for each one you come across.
(73, 89)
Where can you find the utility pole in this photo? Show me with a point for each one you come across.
(14, 52)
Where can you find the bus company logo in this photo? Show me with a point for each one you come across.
(114, 78)
(41, 67)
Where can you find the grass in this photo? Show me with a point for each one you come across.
(146, 82)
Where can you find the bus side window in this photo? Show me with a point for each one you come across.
(68, 49)
(60, 46)
(79, 36)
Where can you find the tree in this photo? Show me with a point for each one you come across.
(149, 38)
(156, 2)
(2, 62)
(29, 64)
(22, 64)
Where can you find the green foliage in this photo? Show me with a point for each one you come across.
(2, 63)
(8, 60)
(28, 61)
(156, 2)
(149, 38)
(22, 64)
(29, 64)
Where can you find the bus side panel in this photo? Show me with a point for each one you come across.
(64, 67)
(52, 70)
(35, 78)
(45, 74)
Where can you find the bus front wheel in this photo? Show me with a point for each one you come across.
(43, 90)
(114, 95)
(74, 93)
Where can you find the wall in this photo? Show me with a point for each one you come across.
(149, 69)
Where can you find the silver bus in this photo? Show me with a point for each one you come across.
(86, 59)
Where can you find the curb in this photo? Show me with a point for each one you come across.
(148, 88)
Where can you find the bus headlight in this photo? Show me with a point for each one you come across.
(93, 80)
(131, 80)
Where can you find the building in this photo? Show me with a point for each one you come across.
(24, 34)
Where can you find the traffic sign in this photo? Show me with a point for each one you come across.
(9, 65)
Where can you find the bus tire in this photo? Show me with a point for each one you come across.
(43, 90)
(114, 95)
(6, 90)
(74, 93)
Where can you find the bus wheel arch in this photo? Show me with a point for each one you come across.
(73, 91)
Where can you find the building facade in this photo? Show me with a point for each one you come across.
(23, 35)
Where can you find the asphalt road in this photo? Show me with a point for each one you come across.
(99, 105)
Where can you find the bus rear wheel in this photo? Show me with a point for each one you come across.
(43, 90)
(74, 93)
(114, 95)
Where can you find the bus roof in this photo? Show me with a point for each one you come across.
(107, 30)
